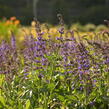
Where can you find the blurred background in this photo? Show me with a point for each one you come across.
(82, 11)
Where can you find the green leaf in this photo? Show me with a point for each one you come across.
(72, 97)
(39, 108)
(28, 104)
(61, 98)
(2, 100)
(51, 86)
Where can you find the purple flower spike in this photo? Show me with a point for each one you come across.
(39, 38)
(92, 103)
(61, 30)
(13, 42)
(40, 76)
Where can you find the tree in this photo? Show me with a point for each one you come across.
(35, 8)
(107, 2)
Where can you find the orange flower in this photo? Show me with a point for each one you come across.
(8, 22)
(13, 18)
(16, 22)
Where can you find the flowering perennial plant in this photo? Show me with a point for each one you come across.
(60, 73)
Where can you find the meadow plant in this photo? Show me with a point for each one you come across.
(61, 73)
(8, 25)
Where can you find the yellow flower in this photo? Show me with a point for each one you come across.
(33, 23)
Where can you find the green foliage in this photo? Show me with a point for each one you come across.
(6, 29)
(52, 91)
(101, 28)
